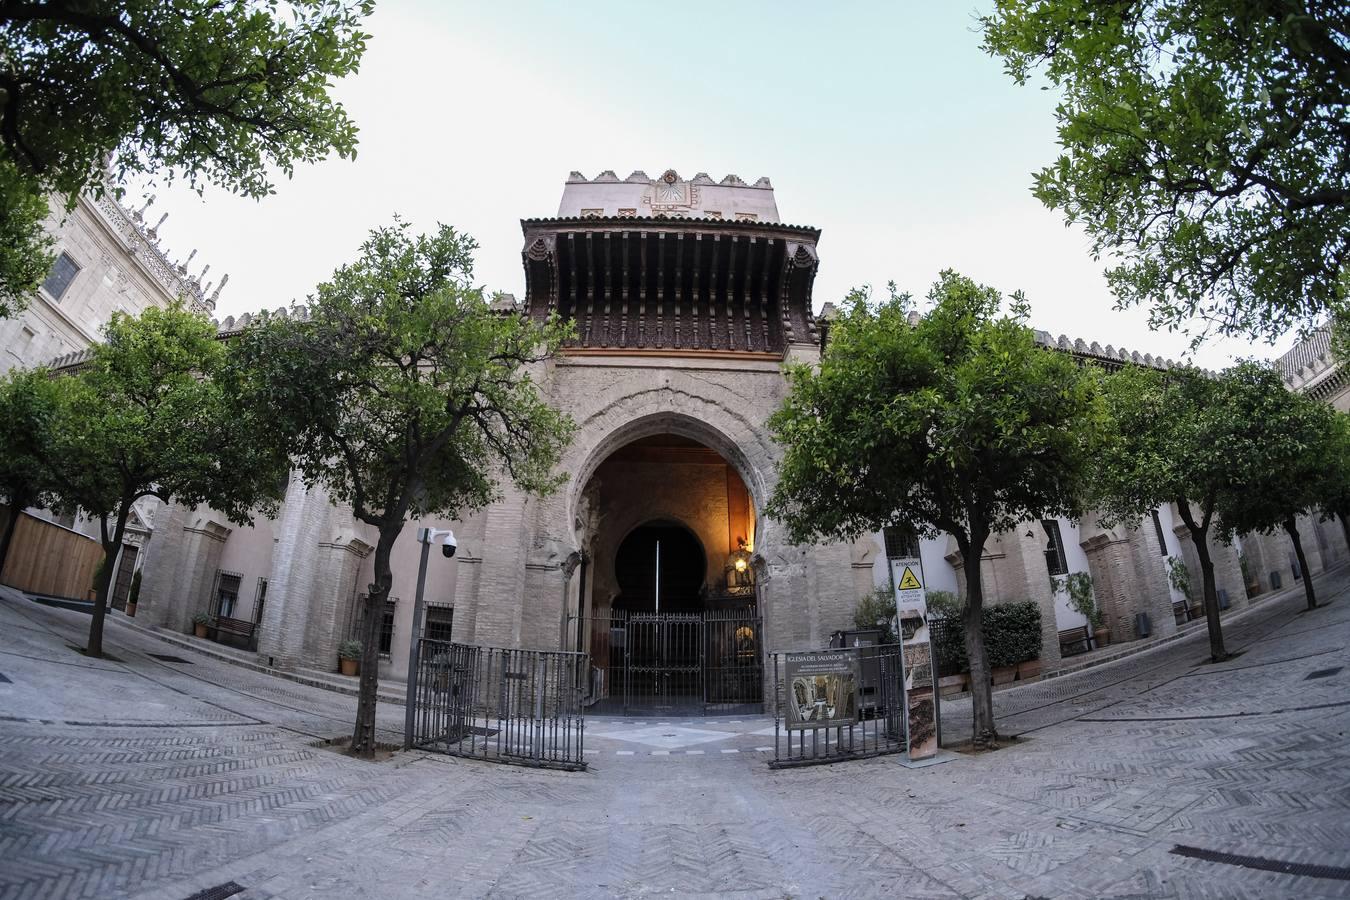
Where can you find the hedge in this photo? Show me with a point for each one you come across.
(1012, 634)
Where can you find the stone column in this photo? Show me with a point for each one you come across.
(281, 640)
(184, 567)
(163, 562)
(501, 590)
(337, 567)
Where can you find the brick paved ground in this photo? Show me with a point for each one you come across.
(148, 777)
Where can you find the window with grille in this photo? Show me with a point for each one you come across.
(227, 593)
(387, 627)
(1054, 548)
(901, 542)
(438, 623)
(59, 278)
(1157, 528)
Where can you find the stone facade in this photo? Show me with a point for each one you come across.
(670, 383)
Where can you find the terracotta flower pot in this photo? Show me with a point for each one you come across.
(199, 630)
(349, 666)
(1004, 674)
(953, 684)
(1028, 669)
(131, 609)
(1101, 637)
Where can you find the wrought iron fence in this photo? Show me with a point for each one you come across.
(674, 663)
(512, 706)
(821, 719)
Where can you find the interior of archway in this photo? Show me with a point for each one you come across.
(669, 532)
(667, 484)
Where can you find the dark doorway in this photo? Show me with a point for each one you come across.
(660, 569)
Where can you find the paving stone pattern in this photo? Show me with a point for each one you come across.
(148, 778)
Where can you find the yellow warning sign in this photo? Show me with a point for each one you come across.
(908, 582)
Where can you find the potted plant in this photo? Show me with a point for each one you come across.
(1078, 585)
(349, 657)
(200, 622)
(135, 593)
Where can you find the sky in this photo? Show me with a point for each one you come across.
(884, 125)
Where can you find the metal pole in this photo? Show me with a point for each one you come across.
(414, 641)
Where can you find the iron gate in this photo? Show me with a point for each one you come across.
(515, 706)
(674, 663)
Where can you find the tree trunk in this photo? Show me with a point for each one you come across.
(1211, 595)
(16, 508)
(102, 588)
(1291, 526)
(363, 736)
(984, 733)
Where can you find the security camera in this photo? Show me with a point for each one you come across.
(449, 545)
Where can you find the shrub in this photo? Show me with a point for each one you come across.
(1012, 634)
(201, 619)
(944, 604)
(877, 610)
(349, 649)
(135, 595)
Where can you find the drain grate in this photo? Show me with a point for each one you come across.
(1323, 673)
(1311, 870)
(164, 657)
(220, 891)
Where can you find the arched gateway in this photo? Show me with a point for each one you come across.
(688, 296)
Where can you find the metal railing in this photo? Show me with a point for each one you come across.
(497, 704)
(675, 663)
(867, 702)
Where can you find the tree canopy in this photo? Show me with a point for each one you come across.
(29, 406)
(1293, 460)
(221, 93)
(1205, 146)
(1193, 439)
(404, 394)
(156, 414)
(958, 422)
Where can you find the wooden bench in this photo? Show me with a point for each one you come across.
(235, 631)
(1078, 637)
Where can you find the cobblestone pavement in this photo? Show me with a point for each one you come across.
(154, 777)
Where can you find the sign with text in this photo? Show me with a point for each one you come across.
(822, 688)
(907, 575)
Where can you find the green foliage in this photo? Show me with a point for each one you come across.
(1179, 577)
(1171, 442)
(158, 413)
(1078, 585)
(877, 610)
(958, 424)
(201, 619)
(1012, 632)
(1291, 457)
(25, 247)
(349, 649)
(30, 402)
(1204, 143)
(945, 604)
(224, 93)
(406, 396)
(403, 394)
(135, 595)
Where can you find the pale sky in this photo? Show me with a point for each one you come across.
(883, 124)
